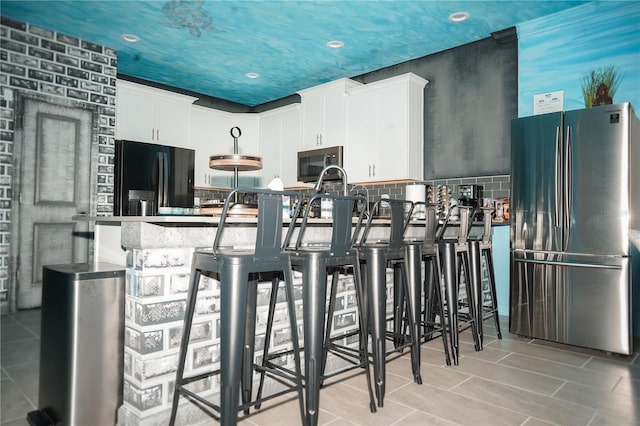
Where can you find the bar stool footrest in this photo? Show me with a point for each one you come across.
(278, 373)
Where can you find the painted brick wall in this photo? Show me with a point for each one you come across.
(157, 281)
(37, 60)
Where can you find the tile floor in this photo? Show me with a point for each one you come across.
(19, 362)
(513, 381)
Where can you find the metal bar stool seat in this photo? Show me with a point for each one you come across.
(454, 253)
(238, 269)
(318, 257)
(375, 256)
(480, 251)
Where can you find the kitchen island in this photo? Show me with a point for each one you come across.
(156, 252)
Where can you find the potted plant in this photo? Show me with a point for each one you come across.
(599, 86)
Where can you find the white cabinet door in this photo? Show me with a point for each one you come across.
(209, 128)
(135, 115)
(385, 130)
(279, 137)
(324, 114)
(361, 150)
(313, 119)
(211, 135)
(147, 114)
(172, 121)
(248, 144)
(270, 131)
(392, 149)
(291, 127)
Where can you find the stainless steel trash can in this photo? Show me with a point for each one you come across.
(81, 343)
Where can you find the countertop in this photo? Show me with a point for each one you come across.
(214, 220)
(186, 219)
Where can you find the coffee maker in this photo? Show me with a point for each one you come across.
(471, 195)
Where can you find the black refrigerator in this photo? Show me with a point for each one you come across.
(148, 176)
(575, 200)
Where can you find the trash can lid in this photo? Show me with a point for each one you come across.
(88, 270)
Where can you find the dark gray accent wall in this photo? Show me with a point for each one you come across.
(470, 100)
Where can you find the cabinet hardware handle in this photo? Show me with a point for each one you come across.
(374, 169)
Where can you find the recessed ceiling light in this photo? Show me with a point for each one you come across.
(130, 38)
(252, 75)
(458, 16)
(335, 44)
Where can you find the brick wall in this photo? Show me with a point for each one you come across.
(43, 62)
(157, 281)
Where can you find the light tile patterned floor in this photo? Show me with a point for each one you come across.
(513, 381)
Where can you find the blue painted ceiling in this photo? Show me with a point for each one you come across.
(208, 47)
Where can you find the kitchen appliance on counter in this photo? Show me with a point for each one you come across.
(150, 176)
(312, 162)
(575, 198)
(471, 195)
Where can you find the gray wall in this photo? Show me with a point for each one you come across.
(470, 100)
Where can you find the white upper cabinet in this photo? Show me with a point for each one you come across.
(248, 144)
(211, 135)
(146, 114)
(279, 138)
(385, 130)
(324, 114)
(380, 125)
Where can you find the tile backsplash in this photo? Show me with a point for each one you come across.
(492, 187)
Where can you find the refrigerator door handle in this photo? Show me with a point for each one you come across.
(558, 179)
(568, 187)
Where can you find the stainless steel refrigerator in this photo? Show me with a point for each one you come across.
(148, 176)
(575, 196)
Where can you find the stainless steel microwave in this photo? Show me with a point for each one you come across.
(312, 162)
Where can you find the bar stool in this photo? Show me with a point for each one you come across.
(316, 258)
(454, 253)
(427, 251)
(480, 250)
(238, 271)
(375, 257)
